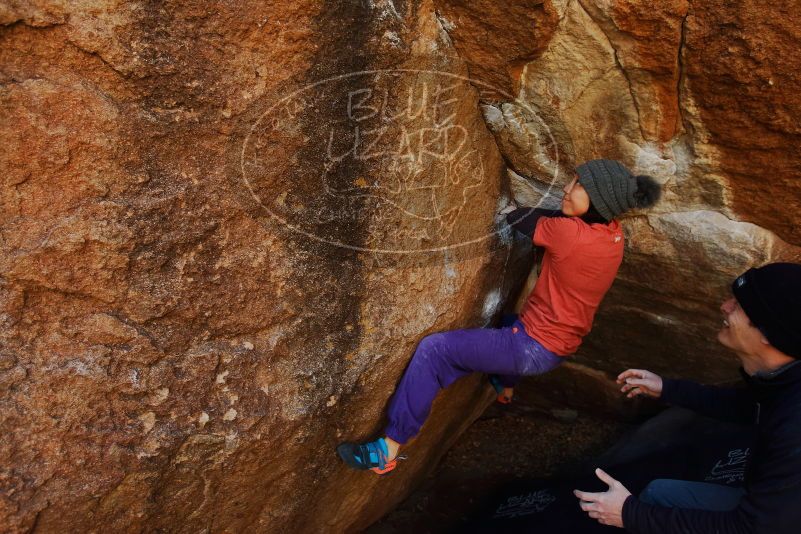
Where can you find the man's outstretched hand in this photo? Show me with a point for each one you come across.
(640, 382)
(606, 507)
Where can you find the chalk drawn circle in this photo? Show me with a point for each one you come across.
(269, 120)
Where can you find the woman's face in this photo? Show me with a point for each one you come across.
(576, 201)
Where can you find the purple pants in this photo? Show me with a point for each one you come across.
(442, 358)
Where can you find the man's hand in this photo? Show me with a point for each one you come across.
(606, 507)
(640, 382)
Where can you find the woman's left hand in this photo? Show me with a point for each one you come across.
(510, 207)
(606, 507)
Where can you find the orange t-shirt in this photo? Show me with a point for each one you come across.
(581, 262)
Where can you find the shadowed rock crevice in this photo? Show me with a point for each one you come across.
(328, 279)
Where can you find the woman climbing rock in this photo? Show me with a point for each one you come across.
(583, 246)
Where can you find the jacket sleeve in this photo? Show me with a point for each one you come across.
(524, 220)
(736, 405)
(770, 506)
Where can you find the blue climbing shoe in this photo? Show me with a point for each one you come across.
(372, 455)
(496, 384)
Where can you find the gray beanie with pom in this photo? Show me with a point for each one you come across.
(610, 186)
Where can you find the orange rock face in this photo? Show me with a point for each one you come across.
(223, 230)
(741, 72)
(497, 38)
(646, 38)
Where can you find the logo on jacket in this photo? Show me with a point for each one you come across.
(730, 469)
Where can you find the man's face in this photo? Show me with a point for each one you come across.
(737, 332)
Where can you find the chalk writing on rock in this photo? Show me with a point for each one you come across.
(381, 161)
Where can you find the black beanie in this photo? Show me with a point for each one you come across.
(771, 298)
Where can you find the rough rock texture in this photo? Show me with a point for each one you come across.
(214, 268)
(741, 81)
(497, 38)
(652, 71)
(225, 226)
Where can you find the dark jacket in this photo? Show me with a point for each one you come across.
(772, 503)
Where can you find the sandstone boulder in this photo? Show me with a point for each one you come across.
(224, 228)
